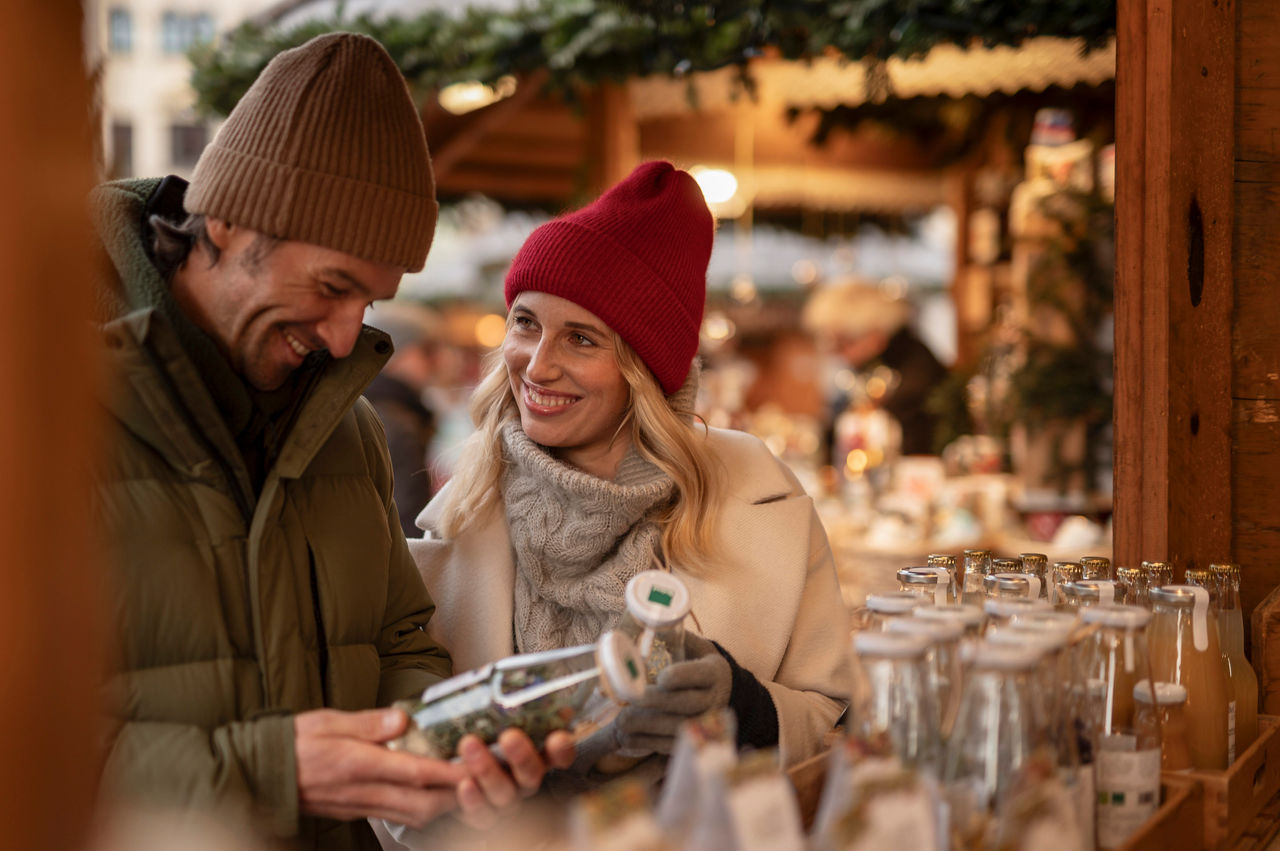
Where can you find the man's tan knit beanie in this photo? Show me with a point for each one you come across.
(326, 147)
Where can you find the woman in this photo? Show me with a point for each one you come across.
(588, 467)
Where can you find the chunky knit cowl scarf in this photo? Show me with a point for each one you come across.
(578, 539)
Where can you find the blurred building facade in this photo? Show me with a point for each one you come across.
(137, 49)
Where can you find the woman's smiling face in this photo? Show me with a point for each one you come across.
(565, 378)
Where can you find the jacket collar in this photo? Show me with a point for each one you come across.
(158, 392)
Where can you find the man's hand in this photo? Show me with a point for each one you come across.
(490, 791)
(345, 772)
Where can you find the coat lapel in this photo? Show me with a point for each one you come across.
(472, 582)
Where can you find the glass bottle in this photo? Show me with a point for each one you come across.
(1155, 574)
(942, 662)
(1079, 595)
(1130, 589)
(977, 564)
(657, 603)
(1001, 611)
(995, 734)
(1060, 573)
(1244, 680)
(947, 562)
(891, 604)
(1127, 767)
(931, 583)
(1185, 650)
(1203, 577)
(1014, 566)
(1096, 567)
(1163, 715)
(892, 698)
(971, 618)
(1010, 586)
(534, 692)
(1006, 565)
(1037, 564)
(1058, 692)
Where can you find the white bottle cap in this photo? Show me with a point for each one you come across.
(624, 670)
(1167, 694)
(1120, 617)
(1045, 619)
(934, 630)
(894, 602)
(964, 613)
(1008, 607)
(889, 645)
(657, 599)
(1043, 639)
(1005, 657)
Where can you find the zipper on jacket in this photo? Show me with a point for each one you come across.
(322, 641)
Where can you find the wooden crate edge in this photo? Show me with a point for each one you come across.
(1232, 798)
(1181, 815)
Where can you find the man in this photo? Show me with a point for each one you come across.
(263, 590)
(865, 327)
(396, 394)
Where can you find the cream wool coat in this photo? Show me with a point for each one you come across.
(775, 604)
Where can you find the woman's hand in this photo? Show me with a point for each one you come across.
(683, 691)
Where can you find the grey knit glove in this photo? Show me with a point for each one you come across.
(684, 690)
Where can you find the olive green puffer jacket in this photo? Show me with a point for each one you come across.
(235, 610)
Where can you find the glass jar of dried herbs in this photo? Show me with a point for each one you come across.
(570, 689)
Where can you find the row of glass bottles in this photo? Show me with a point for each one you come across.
(978, 725)
(963, 580)
(1071, 586)
(1069, 689)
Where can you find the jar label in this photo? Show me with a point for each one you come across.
(1128, 792)
(764, 815)
(877, 803)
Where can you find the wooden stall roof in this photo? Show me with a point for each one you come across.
(533, 148)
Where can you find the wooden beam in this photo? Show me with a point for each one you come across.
(484, 122)
(1174, 296)
(613, 147)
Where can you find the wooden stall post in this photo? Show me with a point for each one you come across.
(1175, 79)
(51, 638)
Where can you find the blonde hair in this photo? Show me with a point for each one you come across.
(668, 438)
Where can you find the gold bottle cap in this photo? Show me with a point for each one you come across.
(1006, 565)
(1225, 569)
(1072, 571)
(1197, 575)
(1128, 574)
(1033, 558)
(941, 560)
(1096, 567)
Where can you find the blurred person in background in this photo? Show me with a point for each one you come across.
(589, 466)
(264, 598)
(398, 395)
(865, 327)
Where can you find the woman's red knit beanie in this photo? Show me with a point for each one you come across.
(637, 258)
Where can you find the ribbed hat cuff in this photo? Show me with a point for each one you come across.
(369, 221)
(634, 301)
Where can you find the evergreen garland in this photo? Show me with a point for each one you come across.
(588, 42)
